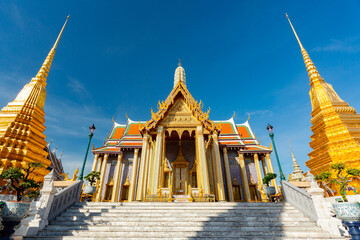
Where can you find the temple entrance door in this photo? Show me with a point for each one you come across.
(181, 174)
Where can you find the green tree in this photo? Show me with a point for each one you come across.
(92, 177)
(18, 180)
(268, 177)
(343, 177)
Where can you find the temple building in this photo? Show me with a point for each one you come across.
(22, 138)
(335, 124)
(181, 154)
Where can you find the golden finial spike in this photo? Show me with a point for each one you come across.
(179, 64)
(301, 46)
(248, 117)
(113, 119)
(310, 67)
(233, 115)
(62, 29)
(292, 154)
(43, 73)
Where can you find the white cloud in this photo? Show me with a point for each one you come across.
(351, 45)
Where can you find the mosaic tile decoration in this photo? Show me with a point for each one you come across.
(172, 149)
(251, 171)
(235, 169)
(188, 150)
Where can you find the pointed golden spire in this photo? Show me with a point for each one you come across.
(310, 67)
(45, 68)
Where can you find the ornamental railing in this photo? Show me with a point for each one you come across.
(65, 198)
(299, 199)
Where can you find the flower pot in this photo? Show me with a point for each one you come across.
(347, 211)
(89, 190)
(15, 211)
(270, 190)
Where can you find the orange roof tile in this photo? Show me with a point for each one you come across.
(226, 128)
(243, 132)
(133, 129)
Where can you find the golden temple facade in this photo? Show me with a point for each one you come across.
(180, 154)
(22, 138)
(335, 124)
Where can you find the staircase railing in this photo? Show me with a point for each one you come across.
(65, 198)
(312, 203)
(49, 205)
(300, 199)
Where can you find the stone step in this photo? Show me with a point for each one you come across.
(181, 224)
(176, 211)
(184, 214)
(184, 208)
(187, 234)
(183, 219)
(181, 207)
(178, 238)
(99, 228)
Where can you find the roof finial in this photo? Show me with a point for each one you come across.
(310, 67)
(180, 76)
(301, 46)
(41, 76)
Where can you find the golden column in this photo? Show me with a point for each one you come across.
(263, 163)
(117, 174)
(98, 167)
(103, 170)
(157, 157)
(269, 164)
(219, 175)
(228, 175)
(142, 167)
(244, 179)
(96, 158)
(202, 160)
(147, 169)
(133, 175)
(260, 177)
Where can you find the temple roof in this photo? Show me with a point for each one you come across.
(231, 135)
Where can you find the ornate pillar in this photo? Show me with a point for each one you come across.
(219, 176)
(96, 157)
(117, 174)
(271, 169)
(244, 178)
(263, 162)
(133, 175)
(157, 157)
(202, 160)
(147, 169)
(98, 167)
(102, 175)
(260, 177)
(142, 167)
(228, 175)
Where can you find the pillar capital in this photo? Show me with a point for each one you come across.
(160, 129)
(199, 130)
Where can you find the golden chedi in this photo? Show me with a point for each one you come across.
(336, 125)
(22, 138)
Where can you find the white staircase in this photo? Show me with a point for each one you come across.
(182, 221)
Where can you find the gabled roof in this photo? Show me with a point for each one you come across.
(196, 108)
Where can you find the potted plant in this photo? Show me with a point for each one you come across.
(18, 180)
(266, 180)
(92, 177)
(345, 210)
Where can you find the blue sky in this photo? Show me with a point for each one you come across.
(120, 56)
